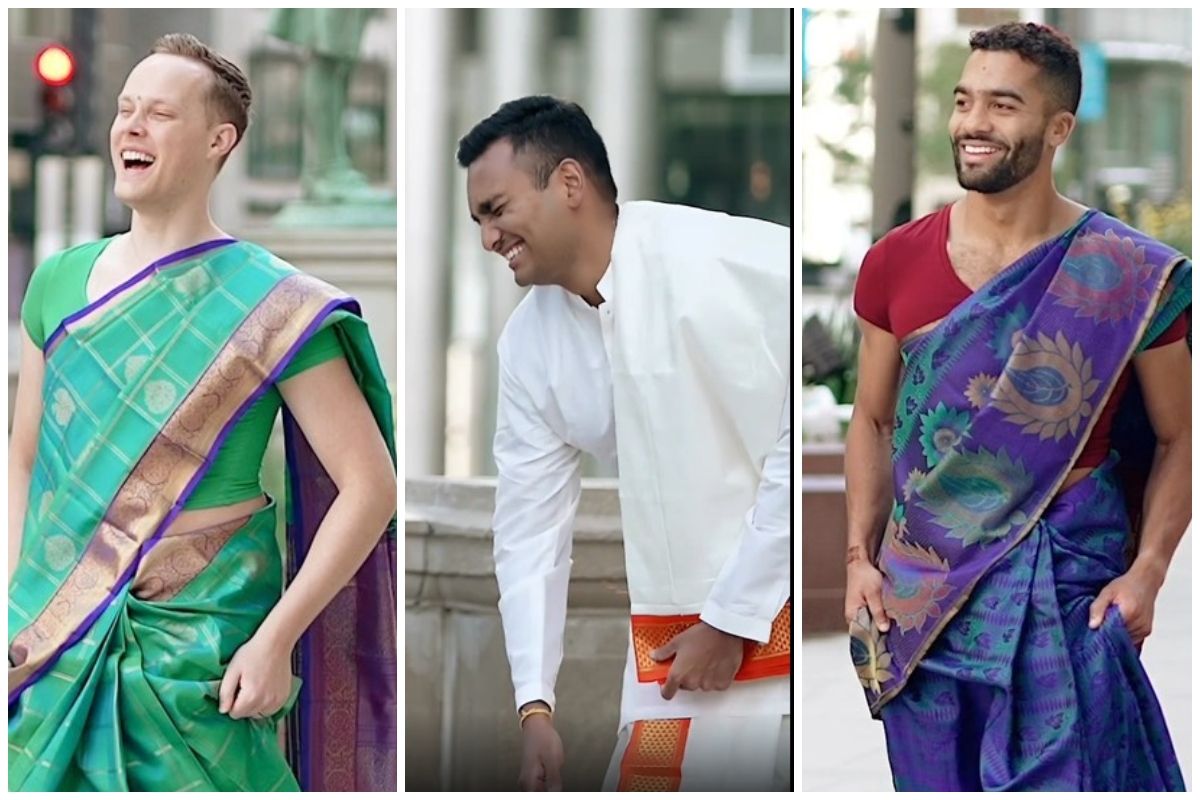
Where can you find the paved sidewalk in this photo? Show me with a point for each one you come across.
(843, 748)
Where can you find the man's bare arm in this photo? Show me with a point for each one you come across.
(1165, 374)
(869, 441)
(869, 470)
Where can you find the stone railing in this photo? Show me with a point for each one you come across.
(460, 720)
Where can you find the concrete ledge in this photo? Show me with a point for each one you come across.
(460, 717)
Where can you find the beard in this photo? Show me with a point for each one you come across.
(1018, 163)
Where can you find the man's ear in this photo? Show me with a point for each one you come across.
(223, 139)
(1061, 126)
(573, 179)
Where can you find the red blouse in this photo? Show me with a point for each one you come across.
(906, 282)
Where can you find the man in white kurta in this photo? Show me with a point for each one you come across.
(675, 371)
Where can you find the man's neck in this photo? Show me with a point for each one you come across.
(595, 253)
(1018, 216)
(154, 234)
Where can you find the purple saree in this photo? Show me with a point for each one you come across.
(989, 677)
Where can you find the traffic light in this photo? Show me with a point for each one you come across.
(55, 69)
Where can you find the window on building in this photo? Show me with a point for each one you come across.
(729, 153)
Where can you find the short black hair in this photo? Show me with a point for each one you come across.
(551, 130)
(1049, 49)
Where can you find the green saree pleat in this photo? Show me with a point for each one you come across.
(145, 684)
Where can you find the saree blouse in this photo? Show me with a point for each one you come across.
(58, 289)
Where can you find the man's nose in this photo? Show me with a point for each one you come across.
(978, 119)
(489, 236)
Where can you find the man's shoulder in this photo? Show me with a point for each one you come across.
(536, 312)
(914, 233)
(74, 254)
(1123, 243)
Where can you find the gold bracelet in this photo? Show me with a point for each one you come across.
(529, 712)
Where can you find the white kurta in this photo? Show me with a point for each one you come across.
(557, 401)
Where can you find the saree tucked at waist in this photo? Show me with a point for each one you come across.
(988, 575)
(119, 635)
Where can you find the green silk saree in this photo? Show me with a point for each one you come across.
(118, 634)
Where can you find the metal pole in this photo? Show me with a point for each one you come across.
(84, 23)
(50, 220)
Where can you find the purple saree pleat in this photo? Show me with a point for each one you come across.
(343, 734)
(989, 677)
(1018, 694)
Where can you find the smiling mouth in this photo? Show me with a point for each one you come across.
(136, 161)
(979, 150)
(510, 255)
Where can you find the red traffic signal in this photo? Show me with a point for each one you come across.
(55, 65)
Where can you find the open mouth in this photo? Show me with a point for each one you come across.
(979, 152)
(512, 253)
(136, 160)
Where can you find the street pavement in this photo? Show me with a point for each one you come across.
(842, 748)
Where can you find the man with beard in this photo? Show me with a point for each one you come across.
(998, 609)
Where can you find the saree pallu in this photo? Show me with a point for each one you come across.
(119, 635)
(985, 572)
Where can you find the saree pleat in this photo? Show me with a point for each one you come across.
(1019, 694)
(141, 712)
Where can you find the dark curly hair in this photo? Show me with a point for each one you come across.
(1049, 49)
(551, 130)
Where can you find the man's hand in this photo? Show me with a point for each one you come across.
(1133, 594)
(864, 588)
(541, 755)
(258, 680)
(705, 659)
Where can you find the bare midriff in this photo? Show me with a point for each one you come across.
(202, 518)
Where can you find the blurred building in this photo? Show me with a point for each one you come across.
(694, 107)
(263, 172)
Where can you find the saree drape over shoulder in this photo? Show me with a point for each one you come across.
(119, 635)
(989, 677)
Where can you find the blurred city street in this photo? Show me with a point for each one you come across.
(843, 749)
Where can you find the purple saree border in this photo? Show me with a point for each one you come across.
(350, 304)
(373, 654)
(141, 275)
(303, 659)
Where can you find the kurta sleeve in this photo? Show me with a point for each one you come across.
(756, 580)
(537, 494)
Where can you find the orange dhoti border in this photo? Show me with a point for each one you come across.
(761, 660)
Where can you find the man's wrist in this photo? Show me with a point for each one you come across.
(724, 633)
(532, 704)
(536, 712)
(1151, 564)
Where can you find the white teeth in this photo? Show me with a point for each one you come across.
(134, 155)
(976, 150)
(514, 252)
